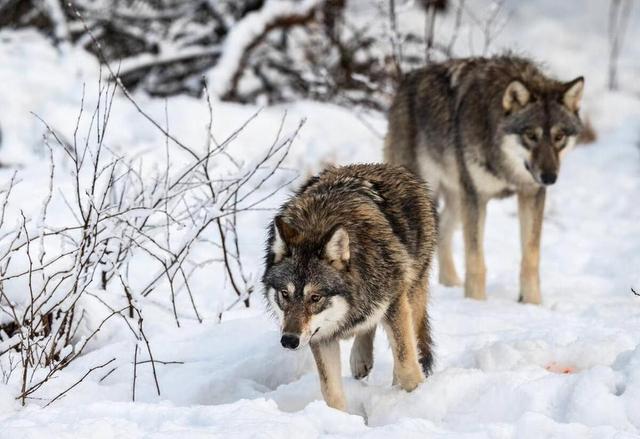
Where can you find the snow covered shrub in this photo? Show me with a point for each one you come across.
(348, 52)
(113, 229)
(267, 51)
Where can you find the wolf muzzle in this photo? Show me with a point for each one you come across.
(546, 178)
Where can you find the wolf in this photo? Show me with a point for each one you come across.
(482, 128)
(352, 249)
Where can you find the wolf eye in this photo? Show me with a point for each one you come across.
(559, 137)
(284, 294)
(315, 298)
(531, 135)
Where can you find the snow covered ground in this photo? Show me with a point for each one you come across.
(567, 369)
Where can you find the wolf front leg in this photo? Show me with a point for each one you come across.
(398, 324)
(361, 359)
(327, 356)
(474, 210)
(530, 212)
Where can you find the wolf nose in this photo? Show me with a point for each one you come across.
(290, 341)
(549, 177)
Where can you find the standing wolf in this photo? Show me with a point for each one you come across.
(350, 250)
(482, 128)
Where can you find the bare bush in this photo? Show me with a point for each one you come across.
(121, 211)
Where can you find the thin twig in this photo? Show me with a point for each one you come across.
(60, 395)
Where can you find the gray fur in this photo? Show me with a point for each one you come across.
(481, 128)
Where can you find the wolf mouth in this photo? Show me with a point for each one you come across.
(528, 167)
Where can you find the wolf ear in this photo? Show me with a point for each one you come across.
(516, 95)
(283, 234)
(573, 94)
(336, 250)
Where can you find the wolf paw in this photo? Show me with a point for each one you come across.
(361, 363)
(448, 276)
(530, 289)
(450, 280)
(474, 286)
(410, 380)
(533, 299)
(337, 402)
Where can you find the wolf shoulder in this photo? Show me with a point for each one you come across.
(392, 190)
(375, 203)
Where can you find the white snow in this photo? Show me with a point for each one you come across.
(567, 369)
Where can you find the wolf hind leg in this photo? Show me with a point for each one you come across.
(449, 220)
(361, 359)
(418, 300)
(399, 326)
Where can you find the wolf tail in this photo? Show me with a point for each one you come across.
(399, 143)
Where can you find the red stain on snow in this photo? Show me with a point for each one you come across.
(559, 368)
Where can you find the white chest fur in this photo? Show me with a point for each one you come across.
(486, 183)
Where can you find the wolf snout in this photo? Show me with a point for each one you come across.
(548, 178)
(290, 341)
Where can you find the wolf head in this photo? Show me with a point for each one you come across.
(306, 279)
(539, 126)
